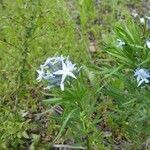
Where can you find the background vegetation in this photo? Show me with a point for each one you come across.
(103, 109)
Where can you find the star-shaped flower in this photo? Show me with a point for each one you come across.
(67, 69)
(57, 70)
(146, 20)
(120, 43)
(142, 20)
(142, 76)
(41, 74)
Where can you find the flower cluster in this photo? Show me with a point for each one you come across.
(143, 76)
(56, 71)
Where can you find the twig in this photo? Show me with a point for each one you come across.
(68, 146)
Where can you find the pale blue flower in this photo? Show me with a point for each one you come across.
(146, 20)
(41, 74)
(56, 71)
(120, 43)
(143, 76)
(67, 70)
(142, 20)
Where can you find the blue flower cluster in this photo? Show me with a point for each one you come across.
(56, 71)
(143, 76)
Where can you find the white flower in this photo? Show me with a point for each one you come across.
(142, 76)
(146, 20)
(148, 43)
(120, 43)
(67, 69)
(56, 71)
(142, 20)
(40, 74)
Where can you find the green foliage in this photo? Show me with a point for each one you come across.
(130, 114)
(13, 128)
(135, 52)
(79, 102)
(104, 105)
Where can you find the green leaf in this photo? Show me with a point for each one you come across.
(52, 100)
(113, 71)
(64, 124)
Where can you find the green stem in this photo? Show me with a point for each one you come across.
(87, 137)
(85, 126)
(28, 33)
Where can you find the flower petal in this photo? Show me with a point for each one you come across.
(63, 77)
(62, 86)
(59, 72)
(71, 75)
(140, 83)
(64, 67)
